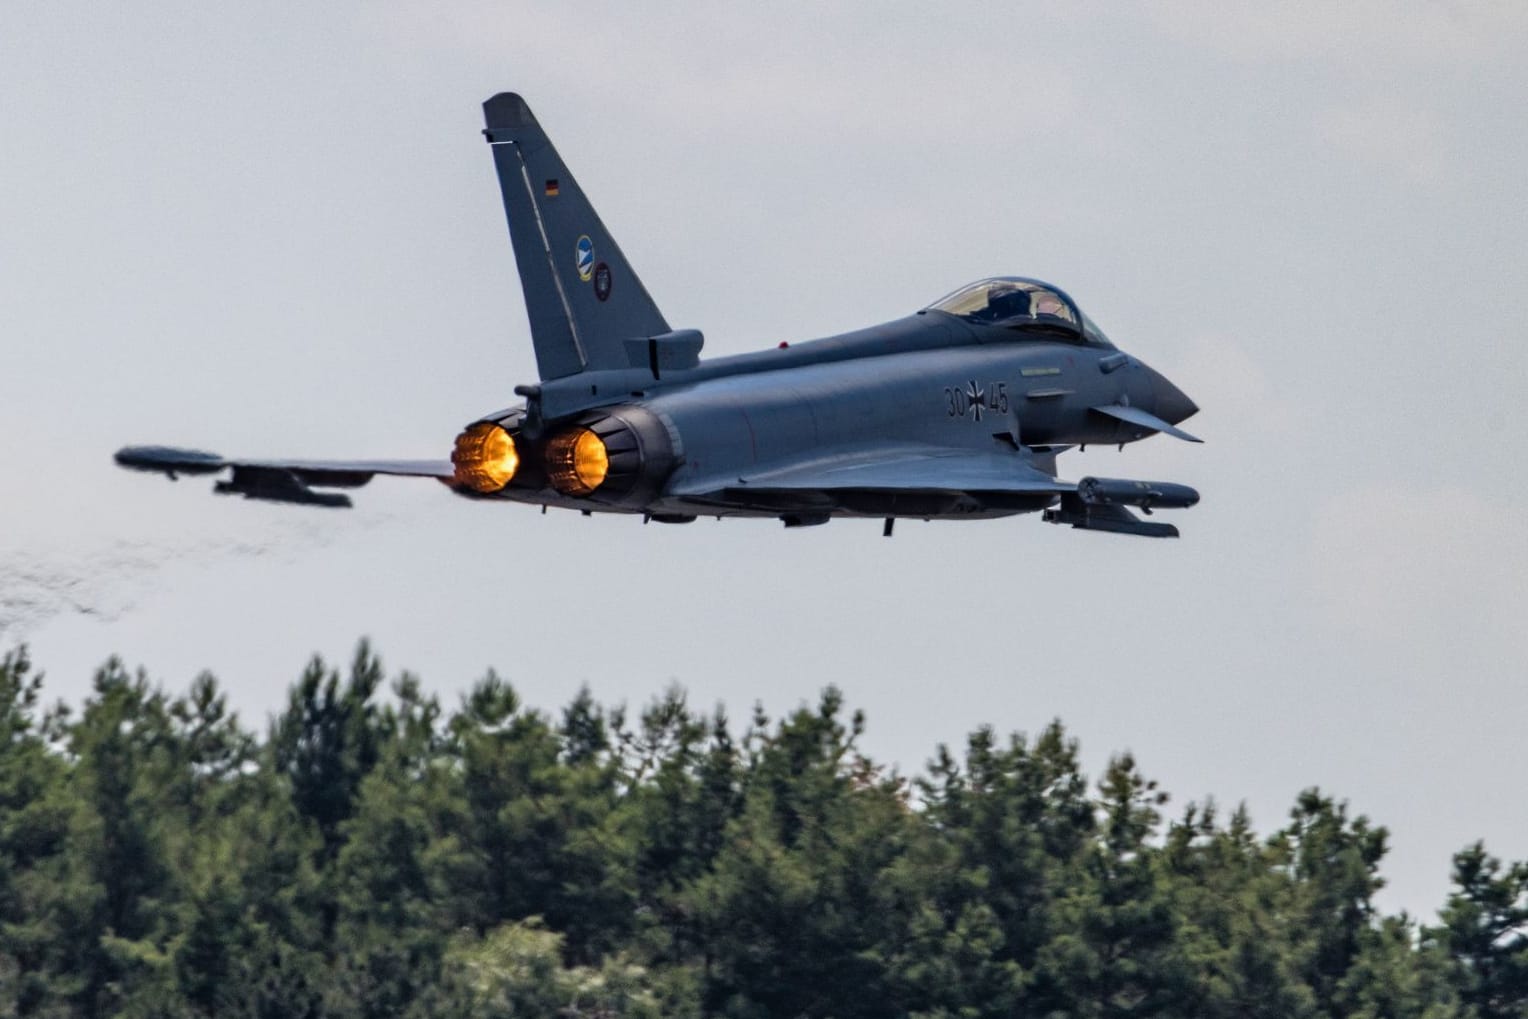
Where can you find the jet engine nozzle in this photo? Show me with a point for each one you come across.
(577, 461)
(484, 458)
(616, 455)
(1147, 495)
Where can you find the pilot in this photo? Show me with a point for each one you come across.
(1003, 306)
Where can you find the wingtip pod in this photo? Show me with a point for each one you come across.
(168, 460)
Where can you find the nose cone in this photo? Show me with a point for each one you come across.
(1173, 405)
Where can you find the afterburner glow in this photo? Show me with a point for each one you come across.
(485, 457)
(577, 462)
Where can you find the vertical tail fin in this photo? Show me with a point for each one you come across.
(582, 297)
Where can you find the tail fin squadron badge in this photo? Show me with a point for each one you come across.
(585, 258)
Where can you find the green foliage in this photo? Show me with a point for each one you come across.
(796, 903)
(1234, 926)
(1483, 931)
(518, 969)
(1115, 949)
(376, 854)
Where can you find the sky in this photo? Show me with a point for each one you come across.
(275, 230)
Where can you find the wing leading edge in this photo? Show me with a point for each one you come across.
(291, 481)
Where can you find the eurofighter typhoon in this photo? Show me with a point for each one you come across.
(957, 411)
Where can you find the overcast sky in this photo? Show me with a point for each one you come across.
(268, 232)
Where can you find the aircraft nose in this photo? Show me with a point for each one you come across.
(1173, 404)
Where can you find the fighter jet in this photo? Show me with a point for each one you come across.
(957, 411)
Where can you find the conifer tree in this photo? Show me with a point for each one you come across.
(1334, 865)
(36, 949)
(377, 855)
(1483, 928)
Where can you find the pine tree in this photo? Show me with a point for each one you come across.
(1484, 931)
(799, 901)
(1236, 922)
(538, 836)
(1014, 824)
(328, 740)
(1333, 863)
(35, 965)
(1392, 978)
(1115, 950)
(393, 870)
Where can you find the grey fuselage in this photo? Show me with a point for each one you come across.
(928, 379)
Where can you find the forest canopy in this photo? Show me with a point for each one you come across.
(375, 853)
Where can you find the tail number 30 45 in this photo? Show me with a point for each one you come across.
(971, 398)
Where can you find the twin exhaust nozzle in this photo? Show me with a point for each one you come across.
(486, 459)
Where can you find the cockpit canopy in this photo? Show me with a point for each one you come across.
(1012, 302)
